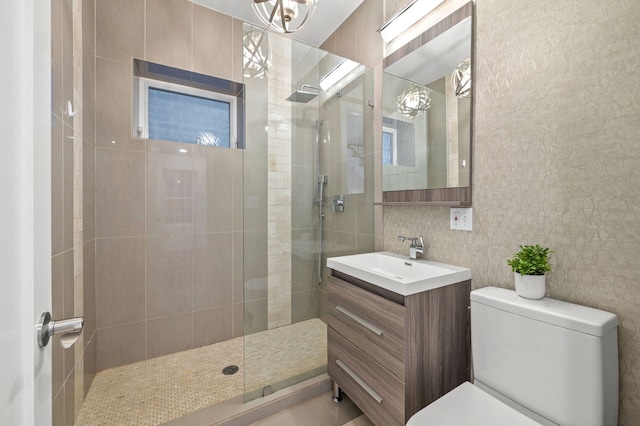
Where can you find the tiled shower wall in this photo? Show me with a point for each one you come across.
(555, 154)
(163, 282)
(279, 196)
(72, 200)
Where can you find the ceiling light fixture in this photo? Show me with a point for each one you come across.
(284, 16)
(461, 79)
(406, 17)
(342, 70)
(414, 101)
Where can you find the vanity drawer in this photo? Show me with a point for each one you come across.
(373, 389)
(372, 323)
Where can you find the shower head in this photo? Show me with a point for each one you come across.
(302, 95)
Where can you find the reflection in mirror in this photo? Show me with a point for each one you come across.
(426, 140)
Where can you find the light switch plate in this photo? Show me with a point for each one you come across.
(461, 219)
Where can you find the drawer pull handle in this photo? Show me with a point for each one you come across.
(360, 321)
(361, 382)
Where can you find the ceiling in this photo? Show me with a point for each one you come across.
(327, 18)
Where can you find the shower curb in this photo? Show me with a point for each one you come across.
(236, 412)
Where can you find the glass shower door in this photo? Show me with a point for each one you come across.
(304, 145)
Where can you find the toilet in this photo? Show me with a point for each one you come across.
(535, 362)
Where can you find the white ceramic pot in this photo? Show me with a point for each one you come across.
(530, 286)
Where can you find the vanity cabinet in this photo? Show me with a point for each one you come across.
(394, 354)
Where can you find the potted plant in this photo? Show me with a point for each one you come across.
(530, 264)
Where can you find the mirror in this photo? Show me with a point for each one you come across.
(427, 116)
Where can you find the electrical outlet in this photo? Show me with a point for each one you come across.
(461, 219)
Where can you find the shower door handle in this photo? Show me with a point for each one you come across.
(48, 327)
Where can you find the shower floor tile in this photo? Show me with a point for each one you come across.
(161, 389)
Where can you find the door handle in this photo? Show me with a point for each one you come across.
(47, 327)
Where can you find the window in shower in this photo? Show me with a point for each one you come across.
(180, 106)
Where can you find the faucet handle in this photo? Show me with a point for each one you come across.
(401, 238)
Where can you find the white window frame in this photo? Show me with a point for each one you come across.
(141, 93)
(394, 144)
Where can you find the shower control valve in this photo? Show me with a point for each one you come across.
(337, 204)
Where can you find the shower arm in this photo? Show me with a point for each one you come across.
(310, 87)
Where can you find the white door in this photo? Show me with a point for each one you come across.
(25, 210)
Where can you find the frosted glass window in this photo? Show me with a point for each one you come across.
(181, 117)
(175, 105)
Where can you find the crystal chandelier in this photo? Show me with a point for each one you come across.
(461, 79)
(285, 16)
(255, 54)
(413, 102)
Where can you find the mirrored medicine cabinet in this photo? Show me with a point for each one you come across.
(428, 114)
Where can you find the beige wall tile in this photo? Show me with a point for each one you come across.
(89, 191)
(120, 281)
(303, 189)
(68, 285)
(213, 193)
(169, 275)
(212, 325)
(169, 335)
(304, 261)
(168, 32)
(114, 87)
(56, 59)
(304, 305)
(120, 29)
(88, 70)
(67, 187)
(57, 187)
(171, 181)
(57, 417)
(237, 197)
(238, 319)
(255, 190)
(120, 183)
(213, 270)
(236, 39)
(212, 43)
(89, 364)
(57, 311)
(89, 290)
(120, 345)
(69, 402)
(238, 270)
(255, 316)
(67, 60)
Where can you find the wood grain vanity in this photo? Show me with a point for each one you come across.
(394, 354)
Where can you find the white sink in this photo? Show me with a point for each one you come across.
(398, 273)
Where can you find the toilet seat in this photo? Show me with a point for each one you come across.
(469, 405)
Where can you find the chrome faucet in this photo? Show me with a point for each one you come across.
(416, 248)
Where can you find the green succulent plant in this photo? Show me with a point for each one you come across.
(531, 260)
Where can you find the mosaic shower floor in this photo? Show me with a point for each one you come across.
(161, 389)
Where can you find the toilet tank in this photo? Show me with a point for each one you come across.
(556, 359)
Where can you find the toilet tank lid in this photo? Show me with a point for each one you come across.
(579, 318)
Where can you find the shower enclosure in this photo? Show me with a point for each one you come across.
(205, 258)
(313, 144)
